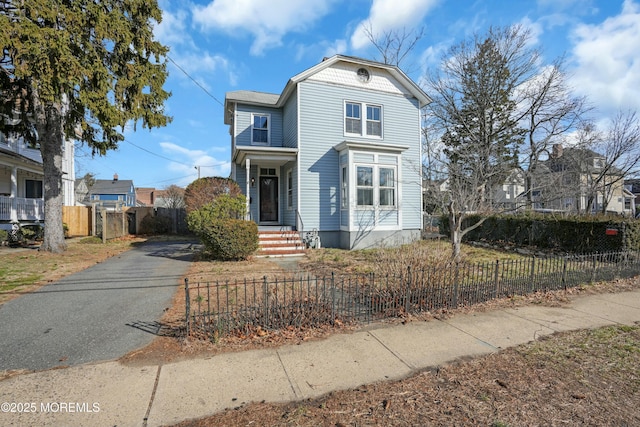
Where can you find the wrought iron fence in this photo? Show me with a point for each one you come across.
(216, 308)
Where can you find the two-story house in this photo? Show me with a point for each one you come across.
(22, 177)
(338, 151)
(112, 194)
(581, 180)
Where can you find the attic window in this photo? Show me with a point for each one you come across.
(363, 75)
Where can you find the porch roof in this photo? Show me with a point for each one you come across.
(266, 154)
(12, 159)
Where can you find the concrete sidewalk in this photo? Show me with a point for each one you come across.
(109, 394)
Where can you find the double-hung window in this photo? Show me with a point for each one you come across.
(33, 189)
(374, 122)
(376, 185)
(387, 186)
(364, 185)
(353, 119)
(289, 189)
(260, 129)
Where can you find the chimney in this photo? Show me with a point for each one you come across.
(115, 176)
(556, 153)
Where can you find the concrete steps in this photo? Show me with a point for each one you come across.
(280, 243)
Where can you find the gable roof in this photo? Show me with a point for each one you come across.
(274, 100)
(107, 186)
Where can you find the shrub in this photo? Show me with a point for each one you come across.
(206, 190)
(4, 236)
(223, 207)
(155, 225)
(230, 239)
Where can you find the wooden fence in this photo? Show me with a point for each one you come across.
(78, 220)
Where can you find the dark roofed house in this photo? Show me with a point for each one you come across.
(113, 193)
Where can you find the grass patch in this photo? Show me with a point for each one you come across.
(92, 240)
(23, 270)
(393, 261)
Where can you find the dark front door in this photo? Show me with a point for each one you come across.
(268, 199)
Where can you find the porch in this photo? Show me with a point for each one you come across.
(21, 209)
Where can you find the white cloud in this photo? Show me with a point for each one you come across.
(386, 15)
(172, 31)
(607, 60)
(185, 158)
(267, 22)
(535, 29)
(337, 47)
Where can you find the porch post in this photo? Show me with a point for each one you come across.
(14, 194)
(248, 187)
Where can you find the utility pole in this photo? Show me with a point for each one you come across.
(198, 167)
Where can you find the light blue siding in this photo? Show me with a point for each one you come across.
(289, 215)
(321, 124)
(243, 124)
(290, 121)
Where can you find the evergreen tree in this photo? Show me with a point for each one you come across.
(78, 69)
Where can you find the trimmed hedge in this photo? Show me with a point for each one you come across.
(230, 239)
(584, 234)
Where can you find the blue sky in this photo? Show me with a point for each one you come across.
(224, 45)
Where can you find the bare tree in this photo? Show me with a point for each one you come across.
(173, 197)
(550, 112)
(393, 45)
(617, 156)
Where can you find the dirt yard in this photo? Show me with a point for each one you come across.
(589, 378)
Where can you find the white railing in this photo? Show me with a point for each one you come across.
(21, 209)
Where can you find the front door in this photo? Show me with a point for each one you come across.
(268, 199)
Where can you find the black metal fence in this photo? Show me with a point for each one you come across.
(215, 309)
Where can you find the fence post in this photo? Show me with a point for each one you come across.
(333, 299)
(593, 268)
(265, 290)
(407, 297)
(103, 215)
(564, 274)
(497, 279)
(187, 304)
(455, 286)
(532, 278)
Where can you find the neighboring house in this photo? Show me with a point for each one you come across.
(145, 196)
(509, 196)
(633, 186)
(338, 151)
(22, 178)
(113, 194)
(578, 176)
(82, 192)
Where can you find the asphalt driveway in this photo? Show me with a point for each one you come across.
(98, 314)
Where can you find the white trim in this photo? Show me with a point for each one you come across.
(363, 119)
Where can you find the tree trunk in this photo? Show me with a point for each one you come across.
(528, 191)
(51, 140)
(455, 223)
